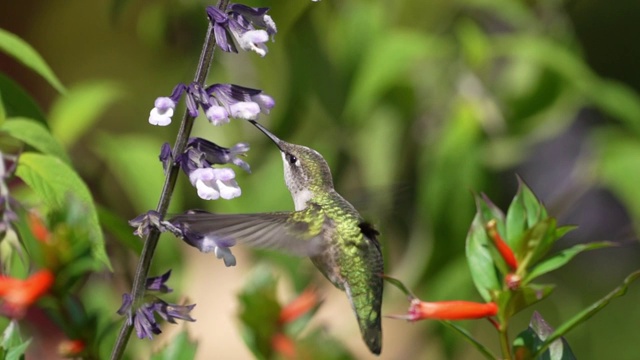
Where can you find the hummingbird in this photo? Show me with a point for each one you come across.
(324, 226)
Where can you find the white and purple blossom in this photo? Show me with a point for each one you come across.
(164, 107)
(215, 183)
(249, 27)
(219, 102)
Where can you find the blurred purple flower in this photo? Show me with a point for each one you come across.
(206, 243)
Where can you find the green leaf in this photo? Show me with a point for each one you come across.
(180, 347)
(73, 115)
(17, 102)
(3, 112)
(479, 346)
(534, 209)
(516, 220)
(54, 181)
(259, 312)
(18, 352)
(34, 250)
(512, 302)
(563, 257)
(531, 339)
(401, 286)
(587, 313)
(538, 240)
(481, 264)
(12, 344)
(35, 135)
(17, 48)
(385, 66)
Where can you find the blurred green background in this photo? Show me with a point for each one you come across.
(415, 104)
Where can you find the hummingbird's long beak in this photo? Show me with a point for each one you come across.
(266, 132)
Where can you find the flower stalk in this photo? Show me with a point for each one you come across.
(171, 175)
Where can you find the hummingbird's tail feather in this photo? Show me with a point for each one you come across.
(367, 306)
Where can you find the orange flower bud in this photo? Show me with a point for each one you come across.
(449, 310)
(283, 345)
(503, 248)
(71, 348)
(37, 227)
(298, 307)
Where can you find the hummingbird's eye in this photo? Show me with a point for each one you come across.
(291, 159)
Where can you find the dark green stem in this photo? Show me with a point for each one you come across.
(142, 271)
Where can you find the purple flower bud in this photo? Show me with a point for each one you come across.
(145, 222)
(158, 283)
(265, 102)
(165, 156)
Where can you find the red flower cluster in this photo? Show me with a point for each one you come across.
(18, 295)
(282, 343)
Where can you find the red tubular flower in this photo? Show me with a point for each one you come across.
(17, 295)
(280, 342)
(503, 248)
(449, 310)
(298, 307)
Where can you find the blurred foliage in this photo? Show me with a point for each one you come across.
(417, 103)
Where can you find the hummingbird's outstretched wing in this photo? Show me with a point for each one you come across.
(297, 232)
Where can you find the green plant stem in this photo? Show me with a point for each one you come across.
(504, 341)
(142, 271)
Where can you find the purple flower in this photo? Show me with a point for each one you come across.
(249, 27)
(143, 318)
(219, 102)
